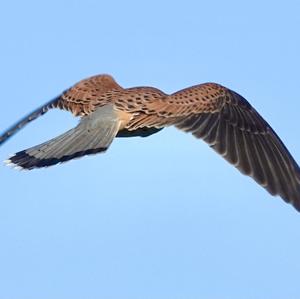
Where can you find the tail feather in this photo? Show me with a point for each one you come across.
(27, 119)
(93, 134)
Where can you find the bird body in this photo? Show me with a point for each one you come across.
(221, 117)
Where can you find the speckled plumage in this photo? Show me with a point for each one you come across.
(216, 114)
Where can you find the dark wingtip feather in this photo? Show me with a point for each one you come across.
(27, 119)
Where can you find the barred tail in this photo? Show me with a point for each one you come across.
(92, 135)
(28, 118)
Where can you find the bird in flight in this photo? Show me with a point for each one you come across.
(214, 113)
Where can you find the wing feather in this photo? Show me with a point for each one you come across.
(235, 130)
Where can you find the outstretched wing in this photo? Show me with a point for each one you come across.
(81, 99)
(234, 129)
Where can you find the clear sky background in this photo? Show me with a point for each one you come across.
(163, 217)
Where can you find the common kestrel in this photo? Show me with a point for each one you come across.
(216, 114)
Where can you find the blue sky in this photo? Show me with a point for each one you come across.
(161, 217)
